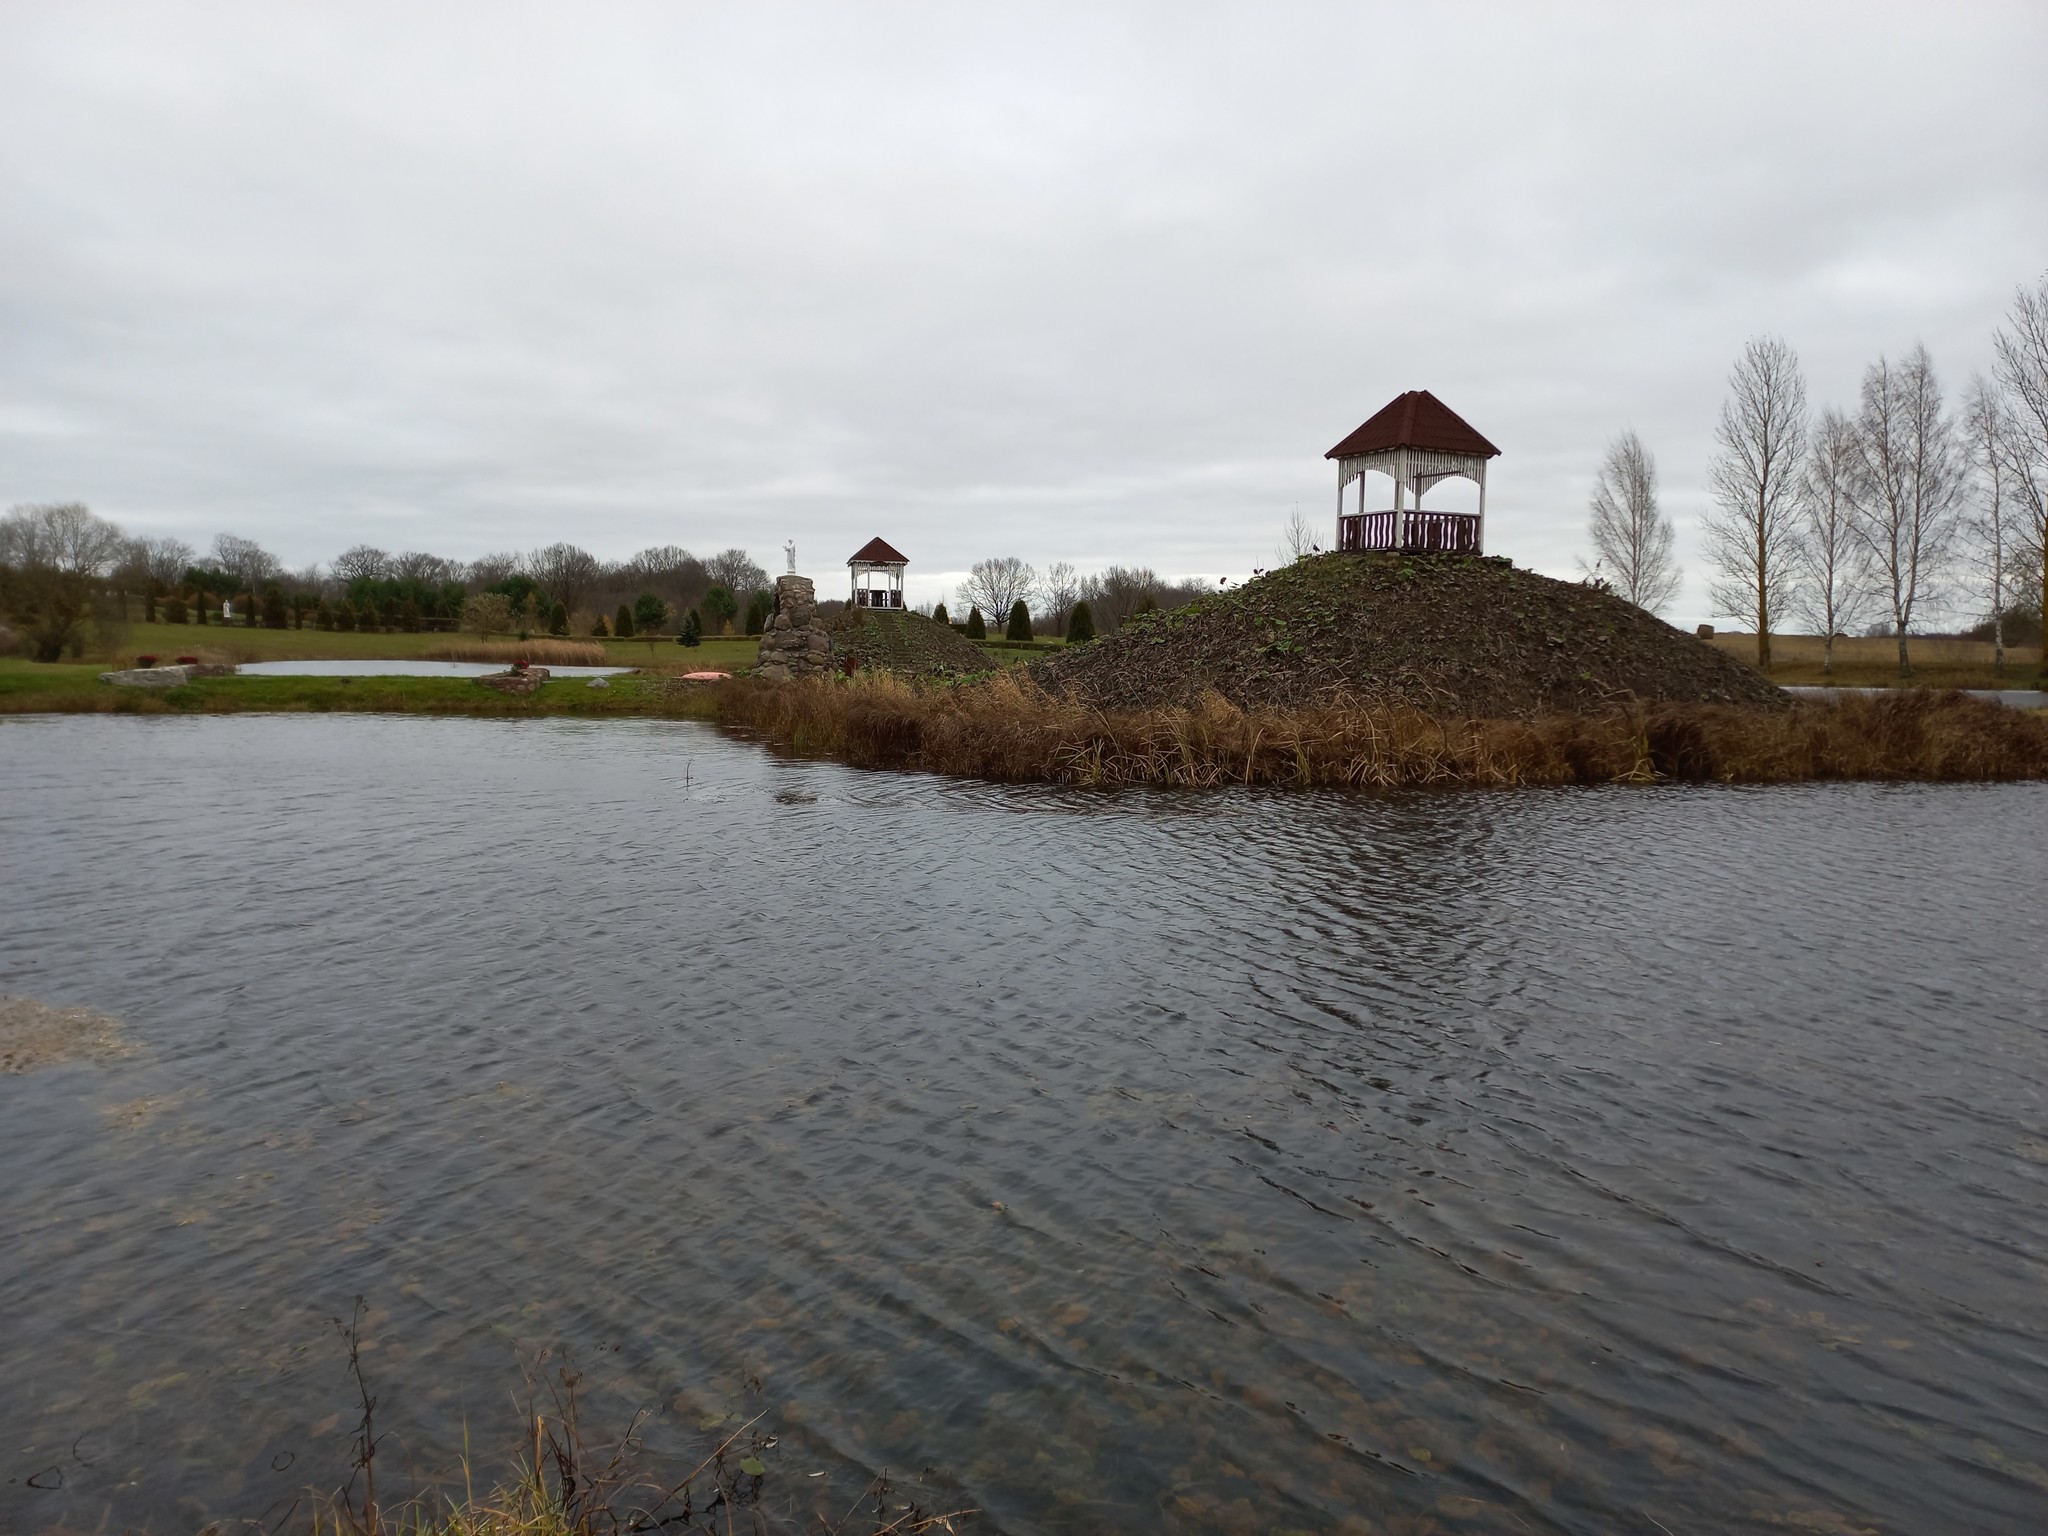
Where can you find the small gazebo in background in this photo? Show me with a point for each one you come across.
(877, 576)
(1418, 440)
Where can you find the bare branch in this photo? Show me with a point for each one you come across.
(1631, 537)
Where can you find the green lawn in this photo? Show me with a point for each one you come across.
(233, 643)
(29, 688)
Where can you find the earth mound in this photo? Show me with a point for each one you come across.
(897, 640)
(1456, 634)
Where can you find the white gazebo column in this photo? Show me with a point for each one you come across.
(1481, 477)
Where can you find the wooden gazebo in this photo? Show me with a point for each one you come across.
(1418, 440)
(877, 575)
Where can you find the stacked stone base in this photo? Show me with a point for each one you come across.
(795, 643)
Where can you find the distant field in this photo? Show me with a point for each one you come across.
(1938, 661)
(225, 643)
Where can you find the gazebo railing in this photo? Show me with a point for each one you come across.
(876, 597)
(1411, 532)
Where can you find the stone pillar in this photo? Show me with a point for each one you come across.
(796, 642)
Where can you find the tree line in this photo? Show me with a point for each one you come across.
(63, 568)
(1872, 516)
(1051, 602)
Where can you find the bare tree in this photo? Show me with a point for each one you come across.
(54, 559)
(1631, 537)
(248, 562)
(161, 562)
(485, 570)
(1298, 537)
(1751, 532)
(994, 586)
(1908, 484)
(1833, 587)
(1059, 588)
(735, 570)
(359, 561)
(2020, 347)
(417, 565)
(1986, 526)
(564, 572)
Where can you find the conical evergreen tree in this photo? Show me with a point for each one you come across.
(940, 616)
(692, 632)
(976, 628)
(622, 623)
(1080, 625)
(1019, 627)
(558, 620)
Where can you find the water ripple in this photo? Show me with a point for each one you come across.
(1533, 1161)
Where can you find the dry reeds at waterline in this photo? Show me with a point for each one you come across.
(550, 652)
(1007, 728)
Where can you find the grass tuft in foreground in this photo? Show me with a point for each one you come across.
(564, 1484)
(1006, 728)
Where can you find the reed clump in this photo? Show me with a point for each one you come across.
(1008, 728)
(542, 653)
(566, 1483)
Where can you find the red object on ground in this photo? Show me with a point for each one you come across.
(145, 661)
(188, 661)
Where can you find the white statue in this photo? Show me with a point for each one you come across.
(227, 608)
(789, 549)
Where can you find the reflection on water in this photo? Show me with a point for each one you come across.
(385, 668)
(1513, 1162)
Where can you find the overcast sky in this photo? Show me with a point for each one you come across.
(1099, 284)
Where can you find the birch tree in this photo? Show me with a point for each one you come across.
(1909, 485)
(1984, 435)
(1752, 531)
(2020, 347)
(1298, 538)
(1832, 589)
(1631, 537)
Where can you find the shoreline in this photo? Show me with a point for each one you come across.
(1006, 730)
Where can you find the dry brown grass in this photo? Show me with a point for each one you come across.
(542, 653)
(1008, 729)
(1939, 661)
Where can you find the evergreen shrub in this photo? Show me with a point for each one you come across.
(1080, 625)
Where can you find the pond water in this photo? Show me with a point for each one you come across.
(1587, 1161)
(360, 668)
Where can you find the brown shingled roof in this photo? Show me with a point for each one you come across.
(1416, 419)
(877, 552)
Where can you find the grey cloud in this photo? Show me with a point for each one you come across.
(1097, 284)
